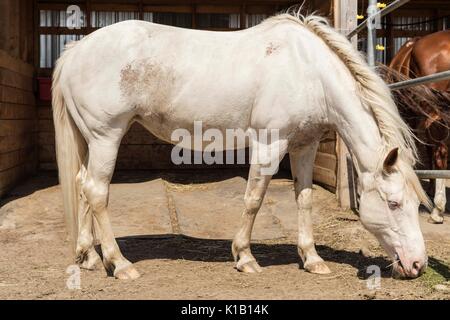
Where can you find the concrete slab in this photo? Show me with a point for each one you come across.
(135, 209)
(139, 209)
(213, 211)
(280, 202)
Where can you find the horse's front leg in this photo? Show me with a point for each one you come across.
(440, 198)
(260, 173)
(254, 195)
(302, 171)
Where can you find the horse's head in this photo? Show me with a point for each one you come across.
(389, 209)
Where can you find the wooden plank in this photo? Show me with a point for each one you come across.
(114, 7)
(14, 29)
(12, 159)
(325, 160)
(154, 157)
(141, 138)
(45, 113)
(324, 176)
(16, 80)
(47, 153)
(168, 8)
(58, 6)
(14, 95)
(46, 138)
(345, 12)
(17, 127)
(16, 65)
(10, 111)
(64, 30)
(13, 176)
(17, 142)
(261, 9)
(45, 125)
(205, 8)
(48, 166)
(328, 147)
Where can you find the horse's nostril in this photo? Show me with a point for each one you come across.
(416, 268)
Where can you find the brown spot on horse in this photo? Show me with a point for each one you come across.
(271, 48)
(144, 82)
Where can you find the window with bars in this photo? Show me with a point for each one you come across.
(58, 18)
(252, 20)
(51, 46)
(183, 20)
(100, 19)
(412, 23)
(218, 21)
(54, 32)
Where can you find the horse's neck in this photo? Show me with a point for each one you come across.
(360, 132)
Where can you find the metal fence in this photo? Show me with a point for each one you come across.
(368, 23)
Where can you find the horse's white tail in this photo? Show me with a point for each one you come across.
(71, 150)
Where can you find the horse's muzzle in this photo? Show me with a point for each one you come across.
(411, 271)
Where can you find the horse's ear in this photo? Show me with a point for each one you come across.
(390, 161)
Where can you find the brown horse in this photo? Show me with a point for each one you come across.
(419, 57)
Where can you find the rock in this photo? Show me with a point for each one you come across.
(441, 287)
(7, 220)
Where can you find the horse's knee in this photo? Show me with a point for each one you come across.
(440, 201)
(304, 199)
(96, 194)
(252, 203)
(440, 198)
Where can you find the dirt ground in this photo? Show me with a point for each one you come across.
(176, 228)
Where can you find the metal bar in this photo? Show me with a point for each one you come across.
(394, 5)
(433, 174)
(414, 82)
(371, 32)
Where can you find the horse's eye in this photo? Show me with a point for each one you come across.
(393, 205)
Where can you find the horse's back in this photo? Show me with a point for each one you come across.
(167, 77)
(432, 54)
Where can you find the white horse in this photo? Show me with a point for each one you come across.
(291, 73)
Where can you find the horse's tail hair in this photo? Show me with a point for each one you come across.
(71, 150)
(402, 62)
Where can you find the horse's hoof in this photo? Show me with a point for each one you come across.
(91, 259)
(436, 217)
(317, 268)
(249, 267)
(127, 273)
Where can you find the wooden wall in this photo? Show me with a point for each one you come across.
(325, 166)
(18, 114)
(139, 150)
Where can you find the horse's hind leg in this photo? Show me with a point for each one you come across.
(86, 256)
(102, 159)
(302, 170)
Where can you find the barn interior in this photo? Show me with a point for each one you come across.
(33, 34)
(175, 223)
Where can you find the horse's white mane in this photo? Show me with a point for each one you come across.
(373, 93)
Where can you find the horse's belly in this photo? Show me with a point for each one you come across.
(196, 134)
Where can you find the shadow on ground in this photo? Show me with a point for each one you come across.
(440, 267)
(208, 250)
